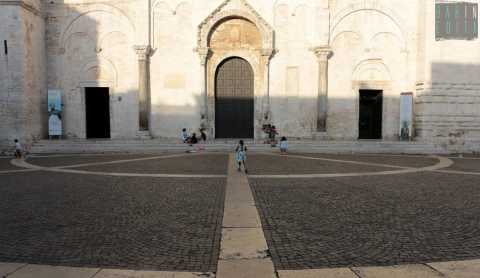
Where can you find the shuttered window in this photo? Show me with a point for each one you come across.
(456, 21)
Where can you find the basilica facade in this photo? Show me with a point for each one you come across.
(322, 69)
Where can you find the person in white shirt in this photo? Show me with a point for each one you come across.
(284, 145)
(184, 136)
(18, 149)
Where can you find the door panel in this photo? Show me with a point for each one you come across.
(234, 99)
(371, 114)
(97, 106)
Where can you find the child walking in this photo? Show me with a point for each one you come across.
(241, 156)
(18, 149)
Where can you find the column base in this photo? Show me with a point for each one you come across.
(320, 135)
(144, 135)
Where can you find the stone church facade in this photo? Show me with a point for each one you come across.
(320, 69)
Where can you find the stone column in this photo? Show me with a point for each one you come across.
(144, 102)
(203, 54)
(322, 53)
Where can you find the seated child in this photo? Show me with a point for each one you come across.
(284, 145)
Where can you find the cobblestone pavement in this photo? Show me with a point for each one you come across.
(134, 223)
(259, 164)
(397, 160)
(466, 165)
(64, 160)
(174, 224)
(365, 221)
(215, 164)
(5, 164)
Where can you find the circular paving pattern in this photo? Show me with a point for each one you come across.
(263, 165)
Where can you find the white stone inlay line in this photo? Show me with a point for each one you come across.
(341, 161)
(63, 169)
(244, 250)
(458, 172)
(443, 163)
(123, 161)
(17, 171)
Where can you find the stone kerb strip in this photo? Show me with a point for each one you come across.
(16, 270)
(244, 250)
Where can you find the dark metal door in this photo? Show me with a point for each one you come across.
(234, 104)
(371, 114)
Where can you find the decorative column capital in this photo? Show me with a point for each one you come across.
(322, 52)
(268, 52)
(203, 53)
(143, 52)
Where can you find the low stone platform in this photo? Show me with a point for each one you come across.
(305, 146)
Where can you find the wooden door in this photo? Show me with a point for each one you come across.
(234, 99)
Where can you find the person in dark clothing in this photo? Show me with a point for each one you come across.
(203, 135)
(193, 139)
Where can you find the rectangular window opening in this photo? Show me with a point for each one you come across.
(456, 20)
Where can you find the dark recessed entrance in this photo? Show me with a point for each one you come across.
(97, 105)
(371, 113)
(234, 104)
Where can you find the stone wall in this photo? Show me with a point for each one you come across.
(22, 72)
(374, 47)
(380, 45)
(92, 45)
(448, 86)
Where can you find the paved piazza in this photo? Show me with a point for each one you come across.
(164, 212)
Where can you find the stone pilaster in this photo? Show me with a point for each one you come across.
(266, 56)
(203, 54)
(144, 102)
(323, 53)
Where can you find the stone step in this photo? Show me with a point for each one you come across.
(96, 146)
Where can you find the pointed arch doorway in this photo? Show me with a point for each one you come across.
(234, 99)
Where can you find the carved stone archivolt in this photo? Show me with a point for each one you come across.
(235, 29)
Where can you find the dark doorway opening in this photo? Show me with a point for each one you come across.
(371, 113)
(234, 99)
(97, 106)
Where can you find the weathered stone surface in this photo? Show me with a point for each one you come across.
(70, 45)
(317, 273)
(401, 271)
(458, 269)
(258, 268)
(9, 268)
(44, 271)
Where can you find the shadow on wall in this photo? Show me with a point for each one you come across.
(93, 50)
(448, 109)
(294, 117)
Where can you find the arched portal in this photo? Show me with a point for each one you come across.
(235, 29)
(234, 99)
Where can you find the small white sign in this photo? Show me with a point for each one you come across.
(55, 113)
(406, 116)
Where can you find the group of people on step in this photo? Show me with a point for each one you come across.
(193, 139)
